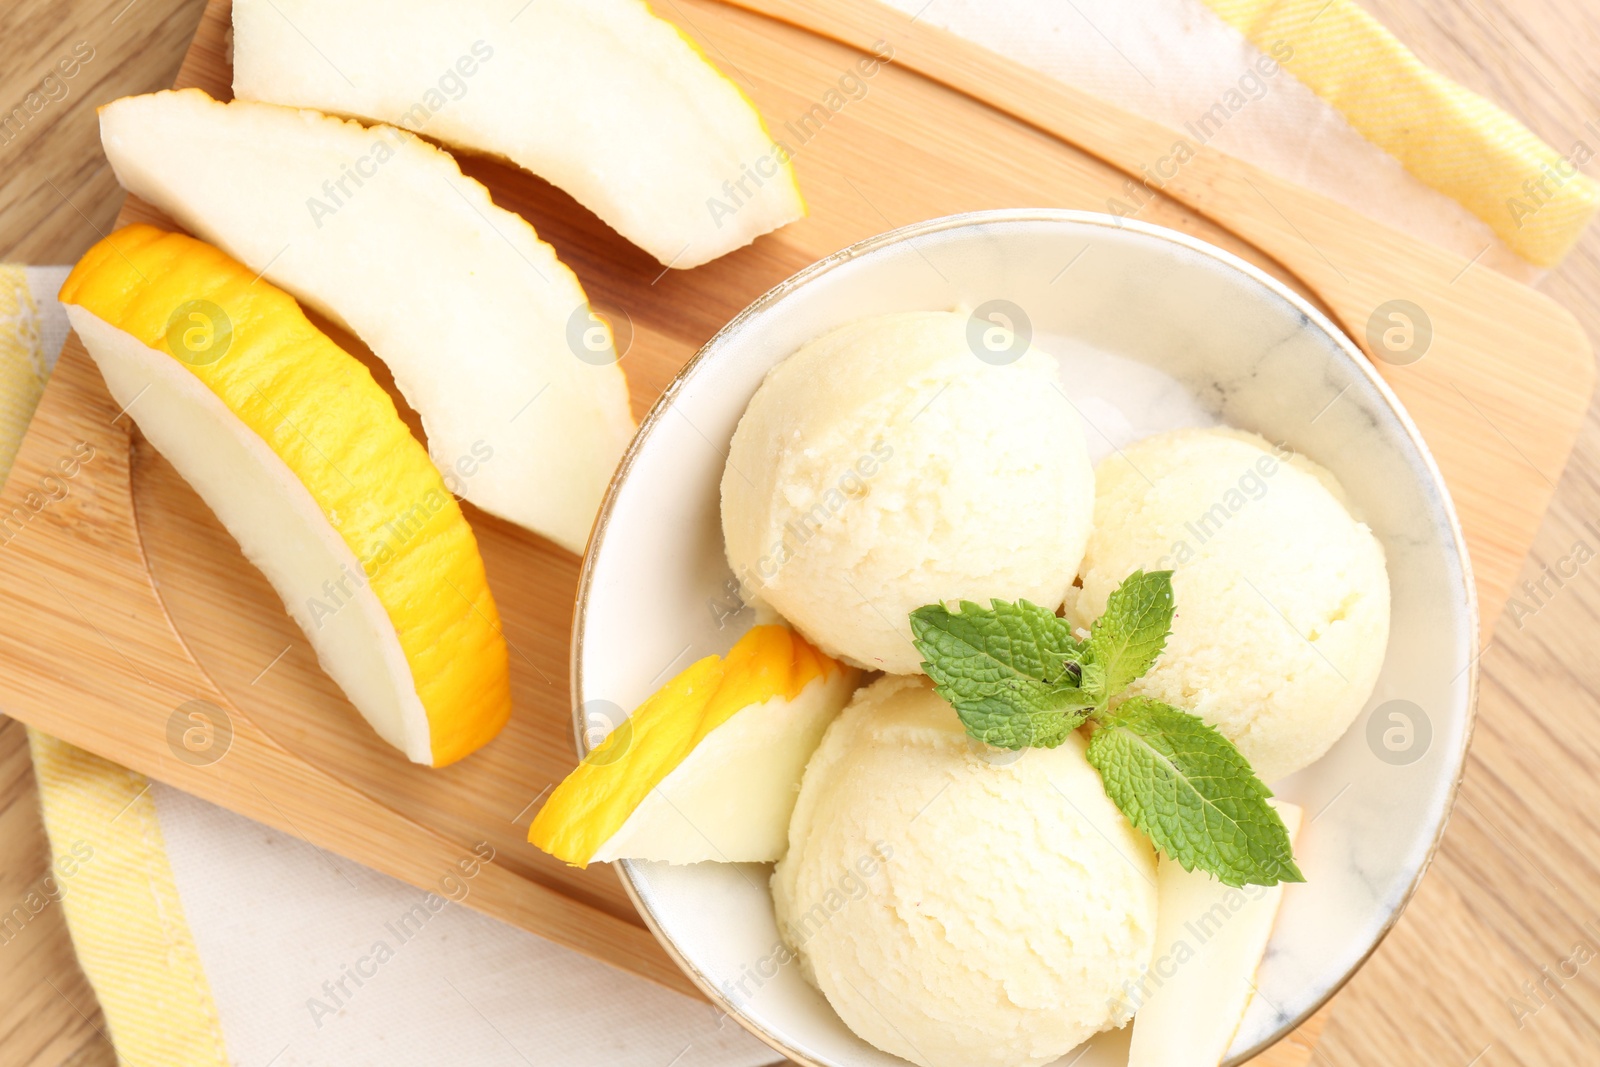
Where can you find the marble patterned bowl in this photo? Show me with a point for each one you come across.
(1154, 329)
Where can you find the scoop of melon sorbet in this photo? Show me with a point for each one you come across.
(1282, 596)
(961, 906)
(886, 466)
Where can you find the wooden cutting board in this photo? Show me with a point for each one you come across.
(126, 602)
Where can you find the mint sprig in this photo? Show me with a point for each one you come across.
(1011, 671)
(1192, 792)
(1128, 636)
(1019, 677)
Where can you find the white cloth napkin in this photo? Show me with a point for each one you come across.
(288, 937)
(1173, 60)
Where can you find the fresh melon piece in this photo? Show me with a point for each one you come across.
(599, 97)
(303, 458)
(707, 768)
(1209, 942)
(489, 337)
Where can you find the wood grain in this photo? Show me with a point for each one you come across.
(1516, 878)
(57, 193)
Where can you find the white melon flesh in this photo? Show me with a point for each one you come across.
(273, 517)
(599, 97)
(487, 334)
(731, 798)
(1209, 942)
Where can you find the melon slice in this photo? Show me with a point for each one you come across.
(489, 337)
(304, 459)
(707, 768)
(1209, 942)
(599, 97)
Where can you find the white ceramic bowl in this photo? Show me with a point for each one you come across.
(1233, 345)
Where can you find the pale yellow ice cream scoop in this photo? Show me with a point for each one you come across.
(1008, 905)
(888, 465)
(1282, 596)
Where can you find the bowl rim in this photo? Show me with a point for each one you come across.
(1314, 316)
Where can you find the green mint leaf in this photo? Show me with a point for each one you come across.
(1192, 793)
(1010, 670)
(1126, 639)
(1020, 640)
(1092, 680)
(1012, 724)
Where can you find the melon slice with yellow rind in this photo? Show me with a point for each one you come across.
(304, 459)
(601, 98)
(489, 336)
(709, 766)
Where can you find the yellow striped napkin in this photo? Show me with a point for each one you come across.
(1529, 193)
(122, 906)
(22, 362)
(110, 861)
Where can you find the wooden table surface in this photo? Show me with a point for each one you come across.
(1496, 962)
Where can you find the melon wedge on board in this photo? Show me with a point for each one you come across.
(489, 336)
(598, 97)
(303, 458)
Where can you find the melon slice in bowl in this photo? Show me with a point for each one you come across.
(708, 768)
